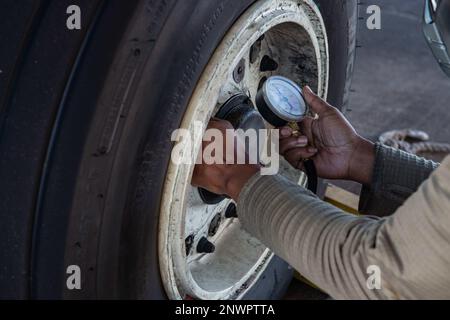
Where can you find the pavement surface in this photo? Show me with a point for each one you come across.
(397, 84)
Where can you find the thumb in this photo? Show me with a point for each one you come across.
(316, 104)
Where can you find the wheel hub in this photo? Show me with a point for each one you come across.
(283, 37)
(241, 113)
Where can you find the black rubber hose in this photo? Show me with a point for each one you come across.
(311, 173)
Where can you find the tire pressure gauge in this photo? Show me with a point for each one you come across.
(280, 101)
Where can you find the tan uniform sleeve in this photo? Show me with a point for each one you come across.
(334, 249)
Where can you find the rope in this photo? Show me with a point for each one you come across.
(413, 141)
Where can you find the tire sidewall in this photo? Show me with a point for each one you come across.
(120, 249)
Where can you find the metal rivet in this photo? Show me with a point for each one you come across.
(239, 71)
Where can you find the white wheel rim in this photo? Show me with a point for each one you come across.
(239, 259)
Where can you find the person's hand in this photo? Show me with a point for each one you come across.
(223, 179)
(331, 142)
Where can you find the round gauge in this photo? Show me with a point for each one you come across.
(280, 100)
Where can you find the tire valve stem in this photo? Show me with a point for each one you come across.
(205, 246)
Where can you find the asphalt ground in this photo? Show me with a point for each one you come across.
(397, 84)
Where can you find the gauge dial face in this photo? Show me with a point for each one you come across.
(285, 98)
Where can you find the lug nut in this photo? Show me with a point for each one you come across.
(231, 211)
(205, 246)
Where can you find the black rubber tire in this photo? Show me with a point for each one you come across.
(83, 154)
(340, 19)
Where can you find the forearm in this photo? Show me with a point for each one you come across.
(334, 249)
(323, 243)
(236, 179)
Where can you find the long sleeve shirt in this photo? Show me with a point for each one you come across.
(337, 251)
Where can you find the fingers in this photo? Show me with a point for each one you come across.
(314, 101)
(306, 126)
(286, 132)
(292, 143)
(295, 156)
